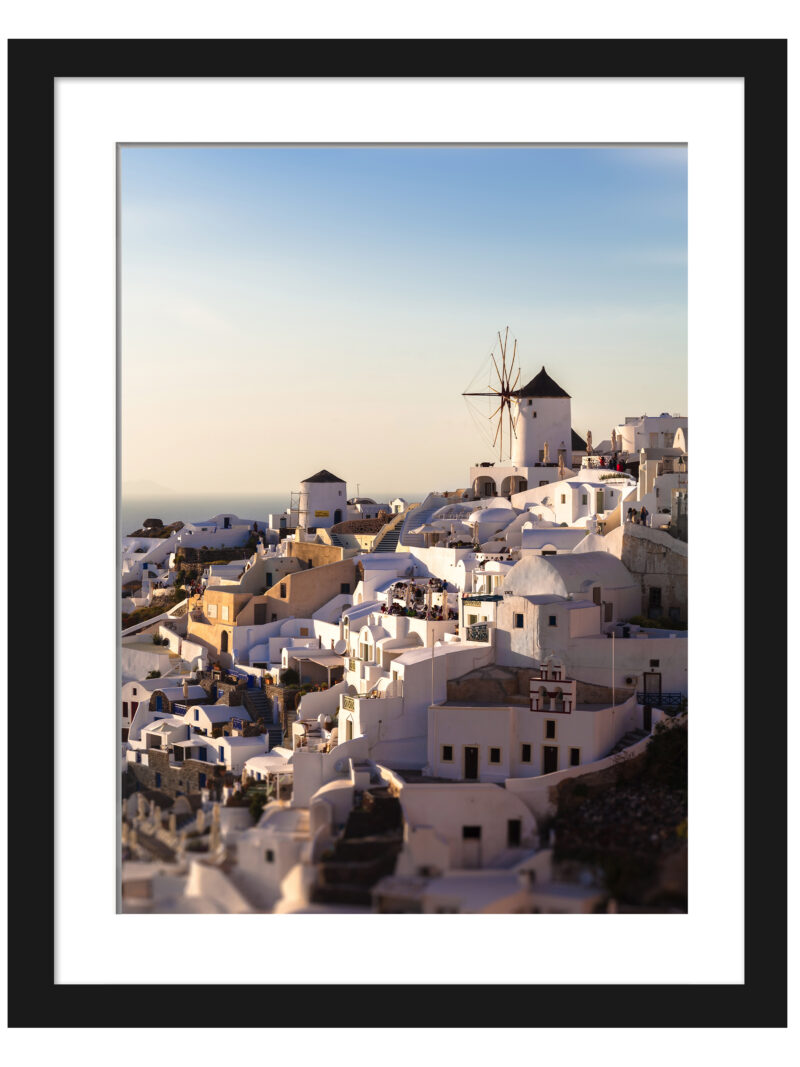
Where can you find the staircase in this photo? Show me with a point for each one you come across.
(418, 517)
(632, 737)
(336, 540)
(389, 539)
(260, 707)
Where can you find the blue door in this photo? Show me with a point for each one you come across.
(159, 702)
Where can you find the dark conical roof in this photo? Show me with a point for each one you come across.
(541, 385)
(322, 476)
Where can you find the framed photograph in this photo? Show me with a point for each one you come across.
(269, 251)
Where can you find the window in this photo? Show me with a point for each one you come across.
(526, 754)
(212, 611)
(304, 631)
(224, 612)
(283, 590)
(563, 498)
(447, 753)
(543, 483)
(471, 833)
(574, 757)
(518, 622)
(655, 596)
(534, 414)
(134, 690)
(158, 780)
(269, 856)
(514, 833)
(274, 617)
(655, 662)
(550, 728)
(552, 621)
(344, 587)
(584, 498)
(124, 709)
(138, 757)
(494, 755)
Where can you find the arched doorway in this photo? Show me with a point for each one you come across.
(484, 486)
(337, 516)
(223, 644)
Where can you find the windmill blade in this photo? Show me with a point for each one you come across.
(495, 411)
(497, 369)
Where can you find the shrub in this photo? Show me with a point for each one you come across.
(154, 674)
(290, 677)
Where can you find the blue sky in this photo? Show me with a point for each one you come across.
(326, 307)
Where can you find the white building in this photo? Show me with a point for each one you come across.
(323, 501)
(542, 444)
(556, 730)
(648, 431)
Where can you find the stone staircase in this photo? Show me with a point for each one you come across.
(388, 542)
(632, 737)
(260, 707)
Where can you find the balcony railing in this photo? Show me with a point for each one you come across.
(479, 631)
(661, 700)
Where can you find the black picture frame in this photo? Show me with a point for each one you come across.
(34, 999)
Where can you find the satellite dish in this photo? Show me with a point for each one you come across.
(340, 647)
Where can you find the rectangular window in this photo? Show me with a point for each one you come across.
(552, 621)
(269, 856)
(283, 590)
(225, 613)
(134, 691)
(655, 596)
(124, 709)
(514, 833)
(655, 662)
(212, 611)
(550, 728)
(471, 833)
(304, 631)
(574, 757)
(274, 617)
(518, 622)
(526, 754)
(584, 498)
(494, 755)
(344, 587)
(447, 753)
(563, 498)
(260, 614)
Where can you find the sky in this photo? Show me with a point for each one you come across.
(289, 309)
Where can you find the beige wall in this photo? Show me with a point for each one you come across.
(316, 555)
(306, 591)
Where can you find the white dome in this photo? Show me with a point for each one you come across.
(484, 515)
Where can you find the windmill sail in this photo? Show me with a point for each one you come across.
(505, 382)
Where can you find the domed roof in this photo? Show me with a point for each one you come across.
(482, 515)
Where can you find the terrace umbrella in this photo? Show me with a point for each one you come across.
(588, 442)
(546, 453)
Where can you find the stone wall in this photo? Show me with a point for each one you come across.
(657, 560)
(492, 685)
(175, 778)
